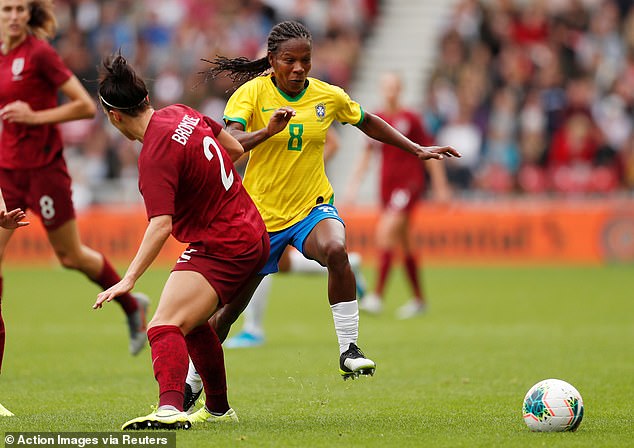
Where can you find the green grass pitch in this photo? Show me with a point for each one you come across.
(455, 377)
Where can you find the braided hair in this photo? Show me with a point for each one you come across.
(121, 88)
(242, 69)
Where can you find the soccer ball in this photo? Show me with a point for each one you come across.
(553, 406)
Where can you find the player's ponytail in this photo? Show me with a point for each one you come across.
(239, 70)
(121, 88)
(242, 69)
(42, 23)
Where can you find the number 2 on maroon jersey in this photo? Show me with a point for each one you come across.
(227, 181)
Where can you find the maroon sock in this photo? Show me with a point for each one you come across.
(411, 268)
(109, 277)
(205, 351)
(2, 332)
(169, 360)
(385, 264)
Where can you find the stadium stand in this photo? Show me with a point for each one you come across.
(535, 93)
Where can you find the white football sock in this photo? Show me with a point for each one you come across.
(300, 264)
(355, 260)
(254, 312)
(346, 317)
(193, 379)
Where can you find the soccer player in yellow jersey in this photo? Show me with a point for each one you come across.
(281, 116)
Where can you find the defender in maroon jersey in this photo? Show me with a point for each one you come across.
(192, 191)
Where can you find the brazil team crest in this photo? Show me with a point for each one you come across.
(320, 111)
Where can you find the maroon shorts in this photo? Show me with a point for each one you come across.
(226, 275)
(400, 199)
(46, 191)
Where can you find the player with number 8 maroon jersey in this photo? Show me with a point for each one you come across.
(191, 191)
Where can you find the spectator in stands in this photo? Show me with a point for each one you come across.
(538, 49)
(167, 38)
(534, 45)
(500, 159)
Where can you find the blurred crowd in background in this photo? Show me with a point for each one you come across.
(165, 40)
(536, 94)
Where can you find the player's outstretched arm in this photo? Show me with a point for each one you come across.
(250, 140)
(157, 232)
(231, 145)
(376, 128)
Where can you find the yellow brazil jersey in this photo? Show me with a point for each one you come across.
(285, 174)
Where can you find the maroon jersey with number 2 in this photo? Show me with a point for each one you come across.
(186, 173)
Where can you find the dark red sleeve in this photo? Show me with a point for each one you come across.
(51, 66)
(214, 125)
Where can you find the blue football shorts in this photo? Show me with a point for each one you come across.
(296, 234)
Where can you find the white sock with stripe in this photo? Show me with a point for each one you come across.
(254, 312)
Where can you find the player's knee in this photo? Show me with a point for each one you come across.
(335, 255)
(67, 260)
(221, 325)
(159, 321)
